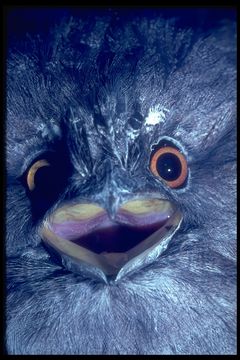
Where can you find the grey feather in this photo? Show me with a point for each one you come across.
(106, 90)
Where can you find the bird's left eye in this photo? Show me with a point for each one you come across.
(170, 165)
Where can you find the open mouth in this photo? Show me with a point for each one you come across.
(86, 233)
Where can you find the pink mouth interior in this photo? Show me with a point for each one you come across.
(101, 234)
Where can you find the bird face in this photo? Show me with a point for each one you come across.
(122, 225)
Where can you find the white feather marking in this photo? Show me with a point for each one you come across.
(156, 115)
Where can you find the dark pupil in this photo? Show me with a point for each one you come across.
(47, 181)
(43, 177)
(169, 167)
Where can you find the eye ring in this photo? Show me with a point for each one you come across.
(179, 181)
(32, 172)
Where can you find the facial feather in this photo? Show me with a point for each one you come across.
(101, 92)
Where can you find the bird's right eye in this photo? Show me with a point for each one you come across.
(45, 180)
(37, 172)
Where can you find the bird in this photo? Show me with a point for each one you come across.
(120, 181)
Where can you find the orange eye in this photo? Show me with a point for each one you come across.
(170, 165)
(31, 176)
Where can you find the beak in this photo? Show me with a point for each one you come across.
(86, 232)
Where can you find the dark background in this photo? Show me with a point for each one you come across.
(20, 20)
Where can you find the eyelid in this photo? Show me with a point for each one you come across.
(32, 157)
